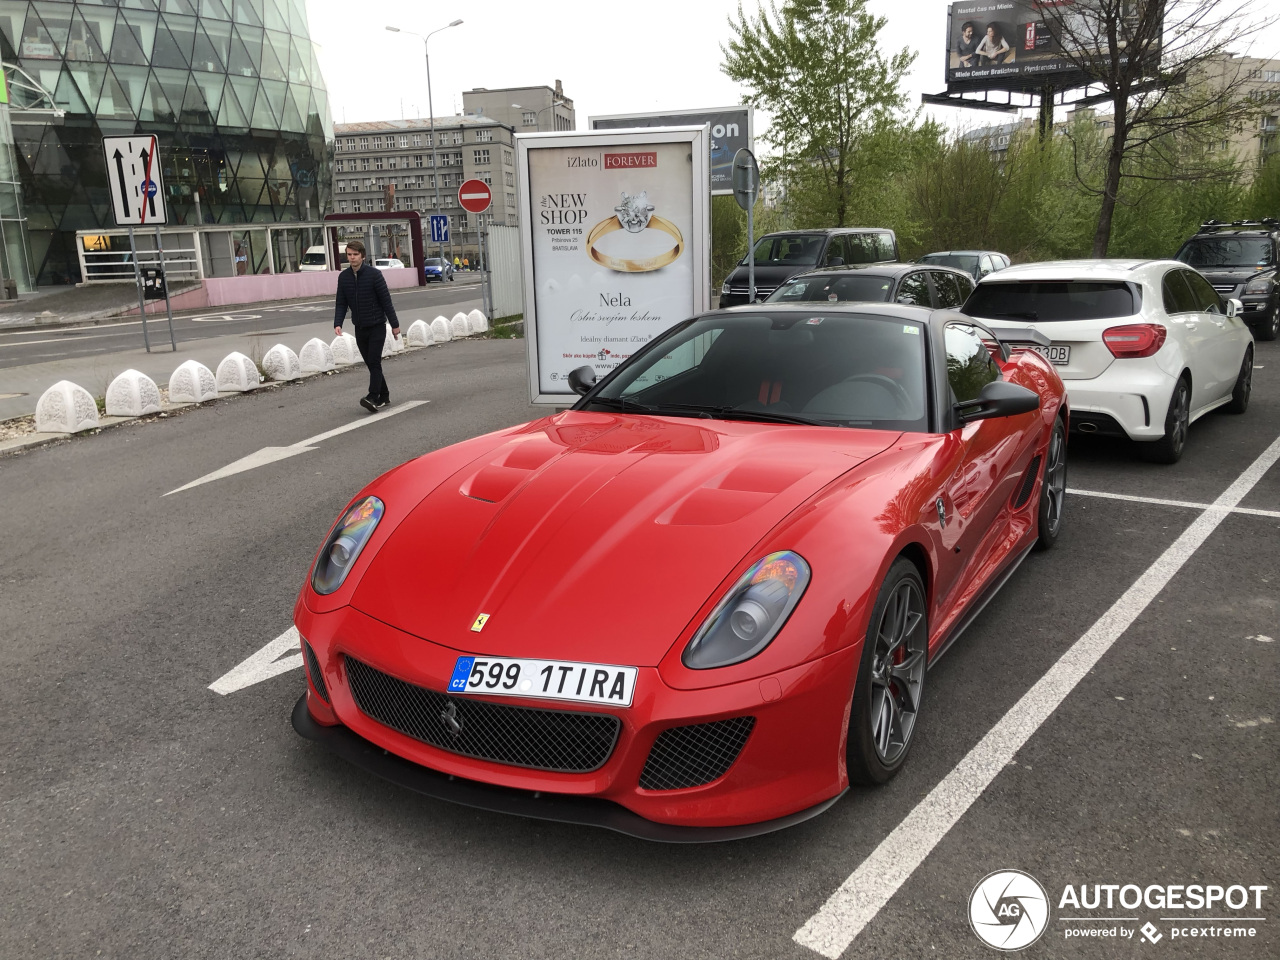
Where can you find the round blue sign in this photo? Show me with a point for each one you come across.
(149, 187)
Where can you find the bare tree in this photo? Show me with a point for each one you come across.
(1168, 69)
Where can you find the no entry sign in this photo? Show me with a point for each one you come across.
(474, 196)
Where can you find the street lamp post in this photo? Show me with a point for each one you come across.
(552, 106)
(431, 110)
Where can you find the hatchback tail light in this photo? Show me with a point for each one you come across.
(1134, 340)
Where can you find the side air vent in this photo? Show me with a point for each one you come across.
(691, 756)
(1028, 481)
(313, 671)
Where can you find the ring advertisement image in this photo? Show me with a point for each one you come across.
(615, 246)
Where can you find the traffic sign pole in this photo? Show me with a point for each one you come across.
(474, 196)
(168, 307)
(746, 184)
(137, 279)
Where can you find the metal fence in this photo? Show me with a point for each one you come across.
(504, 266)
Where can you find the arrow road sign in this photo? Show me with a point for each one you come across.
(474, 196)
(439, 228)
(137, 196)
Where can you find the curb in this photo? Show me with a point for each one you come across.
(32, 440)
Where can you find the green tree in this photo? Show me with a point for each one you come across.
(816, 67)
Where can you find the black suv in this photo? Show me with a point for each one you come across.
(1240, 259)
(780, 256)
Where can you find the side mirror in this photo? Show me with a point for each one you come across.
(1234, 307)
(835, 261)
(582, 379)
(999, 398)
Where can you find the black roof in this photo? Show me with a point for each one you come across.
(823, 231)
(894, 270)
(1260, 228)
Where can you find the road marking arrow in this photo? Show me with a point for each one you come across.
(263, 665)
(272, 454)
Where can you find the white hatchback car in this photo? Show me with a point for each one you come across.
(388, 263)
(1144, 347)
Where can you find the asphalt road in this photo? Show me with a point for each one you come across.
(20, 348)
(143, 815)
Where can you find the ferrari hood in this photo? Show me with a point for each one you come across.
(596, 537)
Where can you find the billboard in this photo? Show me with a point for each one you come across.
(1018, 44)
(731, 130)
(615, 246)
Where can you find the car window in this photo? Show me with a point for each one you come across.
(1052, 300)
(835, 251)
(1206, 298)
(969, 363)
(967, 262)
(914, 288)
(868, 248)
(1178, 297)
(790, 249)
(840, 288)
(839, 368)
(966, 285)
(948, 291)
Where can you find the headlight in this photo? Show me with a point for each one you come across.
(1260, 285)
(751, 614)
(724, 289)
(340, 551)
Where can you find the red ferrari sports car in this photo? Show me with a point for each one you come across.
(702, 602)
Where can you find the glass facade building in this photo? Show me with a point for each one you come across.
(232, 89)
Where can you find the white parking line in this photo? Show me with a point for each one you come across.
(1191, 505)
(858, 900)
(262, 665)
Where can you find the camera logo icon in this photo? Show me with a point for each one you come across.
(1009, 910)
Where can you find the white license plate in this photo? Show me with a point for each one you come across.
(1055, 353)
(545, 679)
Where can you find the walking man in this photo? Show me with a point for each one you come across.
(363, 289)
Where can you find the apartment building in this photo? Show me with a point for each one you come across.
(397, 165)
(524, 109)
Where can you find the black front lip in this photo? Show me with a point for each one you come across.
(587, 811)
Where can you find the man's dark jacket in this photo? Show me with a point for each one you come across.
(365, 292)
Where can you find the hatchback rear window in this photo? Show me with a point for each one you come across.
(1052, 300)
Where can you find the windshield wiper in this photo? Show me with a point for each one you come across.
(622, 403)
(733, 413)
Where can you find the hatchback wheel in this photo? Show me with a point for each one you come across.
(1168, 449)
(886, 697)
(1244, 384)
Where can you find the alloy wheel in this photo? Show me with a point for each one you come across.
(1055, 479)
(897, 672)
(1181, 410)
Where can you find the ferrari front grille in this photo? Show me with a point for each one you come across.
(691, 756)
(564, 741)
(313, 671)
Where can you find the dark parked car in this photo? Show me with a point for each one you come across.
(437, 268)
(937, 287)
(780, 256)
(976, 263)
(1240, 260)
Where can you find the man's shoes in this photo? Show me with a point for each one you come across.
(384, 402)
(369, 404)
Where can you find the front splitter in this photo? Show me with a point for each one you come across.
(559, 808)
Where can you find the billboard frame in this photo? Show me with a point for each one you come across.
(698, 244)
(687, 112)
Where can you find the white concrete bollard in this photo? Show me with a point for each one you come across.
(237, 373)
(316, 357)
(419, 334)
(66, 407)
(132, 394)
(458, 326)
(192, 382)
(345, 350)
(390, 344)
(477, 322)
(281, 363)
(440, 330)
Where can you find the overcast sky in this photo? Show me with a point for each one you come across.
(611, 57)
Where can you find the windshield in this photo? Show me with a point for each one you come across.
(838, 369)
(1226, 252)
(1052, 300)
(834, 289)
(312, 259)
(966, 262)
(434, 262)
(793, 249)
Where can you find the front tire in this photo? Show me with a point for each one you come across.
(890, 681)
(1244, 384)
(1177, 421)
(1053, 489)
(1269, 328)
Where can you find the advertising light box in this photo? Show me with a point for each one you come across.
(731, 131)
(615, 240)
